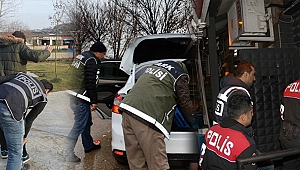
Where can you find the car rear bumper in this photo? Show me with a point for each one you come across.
(182, 143)
(177, 160)
(117, 141)
(182, 146)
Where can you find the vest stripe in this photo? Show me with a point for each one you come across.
(80, 96)
(146, 117)
(224, 96)
(20, 90)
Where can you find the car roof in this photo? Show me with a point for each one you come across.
(156, 47)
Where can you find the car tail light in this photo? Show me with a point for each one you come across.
(120, 153)
(117, 102)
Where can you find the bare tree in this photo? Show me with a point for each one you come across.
(116, 22)
(88, 22)
(92, 21)
(56, 19)
(14, 26)
(155, 17)
(120, 33)
(8, 6)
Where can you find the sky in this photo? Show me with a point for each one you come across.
(34, 13)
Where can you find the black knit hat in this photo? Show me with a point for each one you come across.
(98, 47)
(19, 34)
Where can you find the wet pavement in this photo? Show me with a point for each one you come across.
(46, 139)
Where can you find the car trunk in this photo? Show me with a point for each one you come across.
(175, 47)
(157, 47)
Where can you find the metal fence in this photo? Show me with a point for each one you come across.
(273, 156)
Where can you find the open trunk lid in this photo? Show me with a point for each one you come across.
(156, 47)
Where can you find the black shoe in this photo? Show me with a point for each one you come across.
(25, 158)
(4, 154)
(72, 158)
(93, 148)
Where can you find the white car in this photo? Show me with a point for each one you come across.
(182, 147)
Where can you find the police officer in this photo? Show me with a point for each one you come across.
(148, 111)
(19, 92)
(290, 128)
(84, 78)
(229, 140)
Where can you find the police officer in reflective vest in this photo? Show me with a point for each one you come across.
(18, 93)
(148, 111)
(83, 77)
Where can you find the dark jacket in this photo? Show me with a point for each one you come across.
(290, 114)
(84, 76)
(14, 55)
(230, 80)
(225, 143)
(229, 85)
(157, 92)
(21, 92)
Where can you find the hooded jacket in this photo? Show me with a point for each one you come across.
(224, 143)
(155, 95)
(14, 55)
(229, 85)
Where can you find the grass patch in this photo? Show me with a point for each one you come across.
(46, 70)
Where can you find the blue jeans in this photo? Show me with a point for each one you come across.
(82, 124)
(14, 132)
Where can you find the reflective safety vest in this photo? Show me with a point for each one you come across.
(21, 93)
(221, 103)
(77, 75)
(153, 97)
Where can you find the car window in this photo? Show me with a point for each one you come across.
(111, 71)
